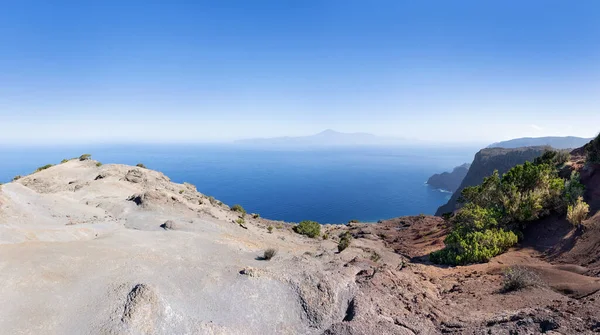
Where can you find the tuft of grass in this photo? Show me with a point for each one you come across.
(311, 229)
(140, 165)
(577, 213)
(325, 236)
(270, 229)
(64, 161)
(518, 277)
(256, 215)
(269, 253)
(353, 221)
(344, 242)
(98, 164)
(181, 191)
(17, 177)
(85, 157)
(375, 257)
(212, 200)
(239, 209)
(44, 167)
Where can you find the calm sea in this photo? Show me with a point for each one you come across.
(325, 185)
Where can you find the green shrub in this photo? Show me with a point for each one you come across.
(517, 278)
(325, 236)
(98, 164)
(578, 212)
(353, 221)
(140, 165)
(311, 229)
(256, 215)
(573, 188)
(270, 229)
(17, 177)
(212, 200)
(85, 157)
(269, 253)
(44, 167)
(239, 209)
(181, 191)
(592, 150)
(344, 241)
(473, 247)
(64, 161)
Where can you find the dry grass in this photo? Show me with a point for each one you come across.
(517, 278)
(269, 253)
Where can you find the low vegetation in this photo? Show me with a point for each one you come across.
(41, 168)
(181, 191)
(353, 221)
(270, 229)
(578, 212)
(64, 161)
(344, 242)
(496, 211)
(592, 150)
(212, 200)
(98, 164)
(311, 229)
(517, 278)
(239, 209)
(255, 215)
(140, 165)
(269, 253)
(17, 177)
(85, 157)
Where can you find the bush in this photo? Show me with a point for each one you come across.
(573, 188)
(98, 164)
(140, 165)
(325, 236)
(592, 150)
(353, 221)
(64, 161)
(270, 229)
(344, 241)
(375, 257)
(517, 278)
(212, 200)
(181, 191)
(44, 167)
(311, 229)
(473, 247)
(255, 215)
(17, 177)
(578, 212)
(85, 157)
(239, 209)
(269, 253)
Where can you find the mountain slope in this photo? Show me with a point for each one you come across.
(449, 181)
(568, 142)
(484, 164)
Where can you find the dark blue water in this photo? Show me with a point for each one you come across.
(328, 186)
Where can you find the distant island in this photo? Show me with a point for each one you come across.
(449, 181)
(325, 138)
(568, 142)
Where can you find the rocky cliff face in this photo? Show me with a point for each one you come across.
(449, 181)
(484, 164)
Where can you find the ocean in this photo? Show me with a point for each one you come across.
(324, 185)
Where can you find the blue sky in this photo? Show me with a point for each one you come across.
(442, 71)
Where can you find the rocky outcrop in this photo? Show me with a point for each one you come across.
(484, 164)
(449, 181)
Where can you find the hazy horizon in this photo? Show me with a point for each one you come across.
(462, 72)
